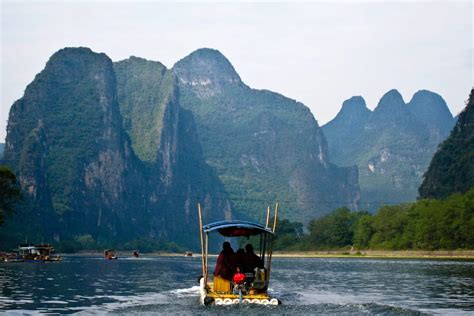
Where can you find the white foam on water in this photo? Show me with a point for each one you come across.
(192, 291)
(55, 302)
(122, 302)
(22, 312)
(324, 297)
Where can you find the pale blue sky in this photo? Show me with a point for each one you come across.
(319, 53)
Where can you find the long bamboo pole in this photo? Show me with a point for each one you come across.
(268, 216)
(270, 247)
(206, 263)
(202, 244)
(275, 219)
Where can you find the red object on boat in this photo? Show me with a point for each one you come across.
(239, 278)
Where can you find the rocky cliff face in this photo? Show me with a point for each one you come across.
(452, 168)
(391, 146)
(74, 159)
(64, 141)
(265, 147)
(165, 135)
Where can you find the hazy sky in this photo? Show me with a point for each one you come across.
(319, 53)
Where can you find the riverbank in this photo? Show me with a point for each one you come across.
(363, 254)
(381, 254)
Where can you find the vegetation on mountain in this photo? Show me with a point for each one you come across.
(145, 87)
(10, 193)
(452, 167)
(391, 146)
(85, 186)
(264, 147)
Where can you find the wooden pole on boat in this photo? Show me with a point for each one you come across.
(207, 255)
(270, 246)
(268, 216)
(275, 219)
(202, 244)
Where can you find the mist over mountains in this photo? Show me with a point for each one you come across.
(125, 150)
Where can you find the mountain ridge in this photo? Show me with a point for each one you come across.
(246, 134)
(391, 145)
(74, 159)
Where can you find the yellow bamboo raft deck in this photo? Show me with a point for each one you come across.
(220, 291)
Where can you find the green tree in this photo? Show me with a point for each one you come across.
(10, 193)
(389, 224)
(288, 235)
(363, 231)
(333, 230)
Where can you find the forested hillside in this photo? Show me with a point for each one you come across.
(452, 167)
(264, 146)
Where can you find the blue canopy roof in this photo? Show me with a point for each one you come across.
(237, 228)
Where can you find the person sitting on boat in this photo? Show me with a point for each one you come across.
(224, 266)
(252, 261)
(239, 259)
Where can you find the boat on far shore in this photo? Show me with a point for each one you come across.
(32, 253)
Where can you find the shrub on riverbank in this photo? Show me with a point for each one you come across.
(425, 225)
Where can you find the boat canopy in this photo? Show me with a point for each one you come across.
(236, 228)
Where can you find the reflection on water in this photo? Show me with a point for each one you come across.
(169, 285)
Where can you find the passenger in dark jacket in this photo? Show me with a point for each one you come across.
(252, 261)
(224, 266)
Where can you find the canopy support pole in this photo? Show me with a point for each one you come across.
(202, 246)
(268, 216)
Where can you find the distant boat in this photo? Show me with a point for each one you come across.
(188, 254)
(136, 254)
(10, 257)
(109, 254)
(38, 252)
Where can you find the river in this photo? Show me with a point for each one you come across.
(168, 285)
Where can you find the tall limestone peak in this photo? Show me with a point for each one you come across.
(263, 145)
(346, 126)
(354, 103)
(206, 70)
(432, 110)
(390, 103)
(66, 144)
(452, 168)
(353, 109)
(392, 149)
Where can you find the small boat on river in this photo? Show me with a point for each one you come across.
(109, 254)
(38, 252)
(250, 287)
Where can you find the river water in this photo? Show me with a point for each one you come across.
(168, 285)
